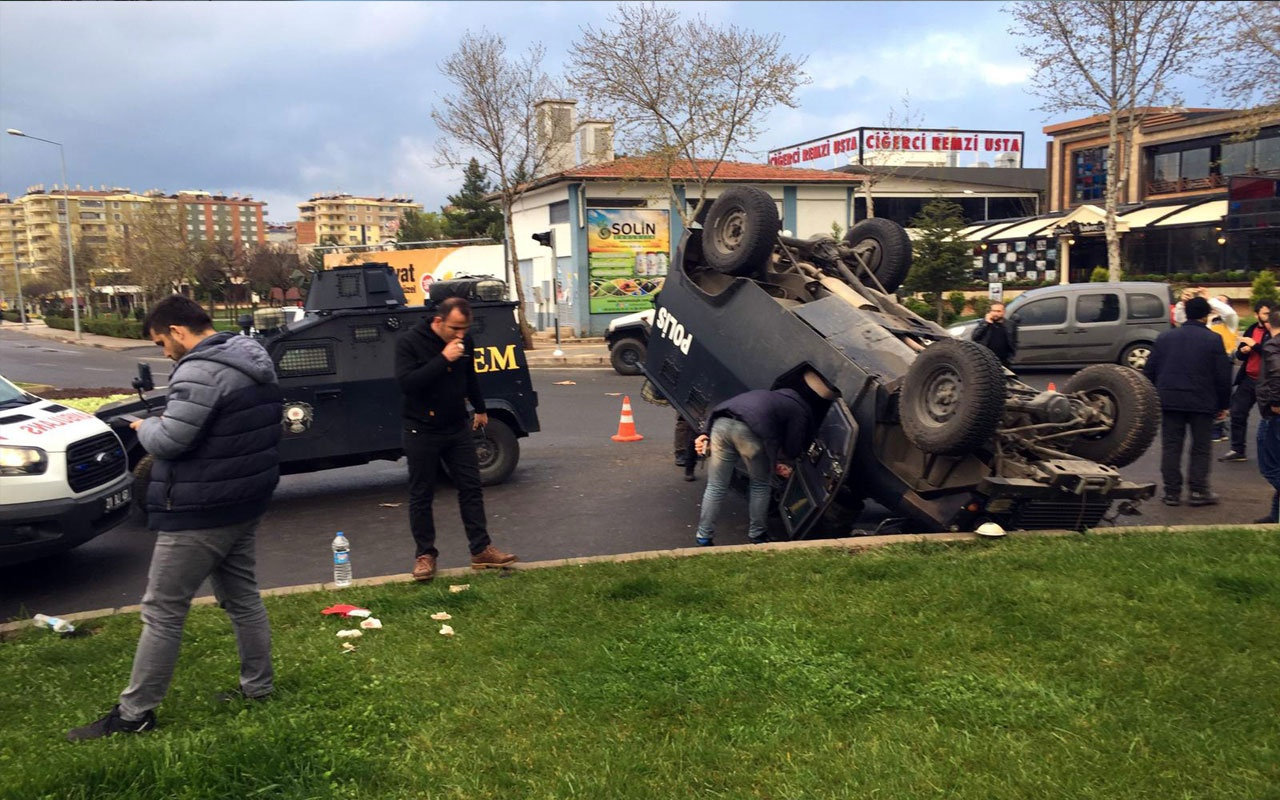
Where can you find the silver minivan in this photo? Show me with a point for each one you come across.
(1086, 323)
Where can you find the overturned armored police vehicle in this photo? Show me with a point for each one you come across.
(930, 427)
(336, 366)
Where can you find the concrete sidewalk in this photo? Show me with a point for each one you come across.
(588, 352)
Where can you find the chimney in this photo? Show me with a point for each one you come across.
(595, 141)
(556, 121)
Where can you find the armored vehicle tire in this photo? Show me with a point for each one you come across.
(1136, 355)
(952, 398)
(626, 356)
(141, 480)
(889, 255)
(740, 231)
(498, 452)
(1126, 397)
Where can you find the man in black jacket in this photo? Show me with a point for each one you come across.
(214, 467)
(435, 367)
(998, 334)
(1268, 391)
(1249, 353)
(1192, 375)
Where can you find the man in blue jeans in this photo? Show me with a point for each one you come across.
(759, 427)
(1268, 394)
(215, 465)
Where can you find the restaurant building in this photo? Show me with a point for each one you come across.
(1199, 201)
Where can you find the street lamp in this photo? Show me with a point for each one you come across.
(66, 201)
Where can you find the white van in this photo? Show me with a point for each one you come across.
(64, 478)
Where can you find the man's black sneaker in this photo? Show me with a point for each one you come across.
(1202, 499)
(110, 725)
(681, 459)
(1171, 500)
(1232, 455)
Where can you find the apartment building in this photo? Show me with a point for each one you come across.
(33, 227)
(347, 219)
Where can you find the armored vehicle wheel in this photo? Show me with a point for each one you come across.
(1125, 397)
(141, 480)
(740, 231)
(886, 247)
(1136, 355)
(626, 356)
(498, 451)
(952, 398)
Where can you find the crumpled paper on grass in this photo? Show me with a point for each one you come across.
(441, 616)
(445, 630)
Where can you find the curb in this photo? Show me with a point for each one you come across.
(851, 545)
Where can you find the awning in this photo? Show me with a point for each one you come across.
(1024, 230)
(1212, 211)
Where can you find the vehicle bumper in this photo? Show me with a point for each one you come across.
(33, 530)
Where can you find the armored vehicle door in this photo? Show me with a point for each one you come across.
(819, 472)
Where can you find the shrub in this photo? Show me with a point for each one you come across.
(981, 305)
(919, 307)
(957, 301)
(1099, 275)
(61, 323)
(1264, 288)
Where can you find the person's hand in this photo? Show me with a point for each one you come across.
(137, 423)
(702, 444)
(479, 421)
(1245, 347)
(783, 470)
(454, 350)
(1221, 415)
(988, 318)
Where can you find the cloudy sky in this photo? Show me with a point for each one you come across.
(285, 100)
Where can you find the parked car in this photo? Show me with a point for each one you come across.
(64, 478)
(628, 338)
(931, 427)
(336, 365)
(1086, 323)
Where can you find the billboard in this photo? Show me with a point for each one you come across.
(627, 257)
(416, 269)
(870, 146)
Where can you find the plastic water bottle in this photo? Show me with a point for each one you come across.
(56, 624)
(341, 561)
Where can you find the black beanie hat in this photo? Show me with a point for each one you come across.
(1197, 308)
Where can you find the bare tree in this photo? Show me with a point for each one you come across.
(490, 117)
(158, 256)
(1109, 57)
(894, 121)
(686, 93)
(1247, 70)
(271, 266)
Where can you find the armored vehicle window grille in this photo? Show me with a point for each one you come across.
(697, 403)
(94, 461)
(349, 286)
(367, 333)
(310, 359)
(669, 373)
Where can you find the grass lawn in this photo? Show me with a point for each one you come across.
(1116, 667)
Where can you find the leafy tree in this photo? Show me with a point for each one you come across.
(491, 116)
(941, 256)
(1264, 287)
(469, 215)
(418, 226)
(687, 93)
(1114, 58)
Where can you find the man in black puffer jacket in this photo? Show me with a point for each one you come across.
(1192, 374)
(215, 465)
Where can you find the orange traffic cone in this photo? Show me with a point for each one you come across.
(1052, 388)
(626, 425)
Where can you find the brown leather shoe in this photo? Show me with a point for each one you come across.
(492, 558)
(424, 568)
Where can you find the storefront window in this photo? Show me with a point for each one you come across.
(1267, 154)
(1166, 167)
(1195, 163)
(1089, 175)
(1237, 158)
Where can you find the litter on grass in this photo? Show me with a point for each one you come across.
(346, 610)
(445, 630)
(372, 623)
(350, 633)
(348, 647)
(359, 612)
(459, 587)
(441, 616)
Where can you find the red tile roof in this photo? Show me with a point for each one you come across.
(651, 169)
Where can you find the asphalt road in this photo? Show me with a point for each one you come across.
(576, 492)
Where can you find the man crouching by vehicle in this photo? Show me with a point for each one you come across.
(215, 465)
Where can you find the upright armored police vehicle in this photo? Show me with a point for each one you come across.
(337, 370)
